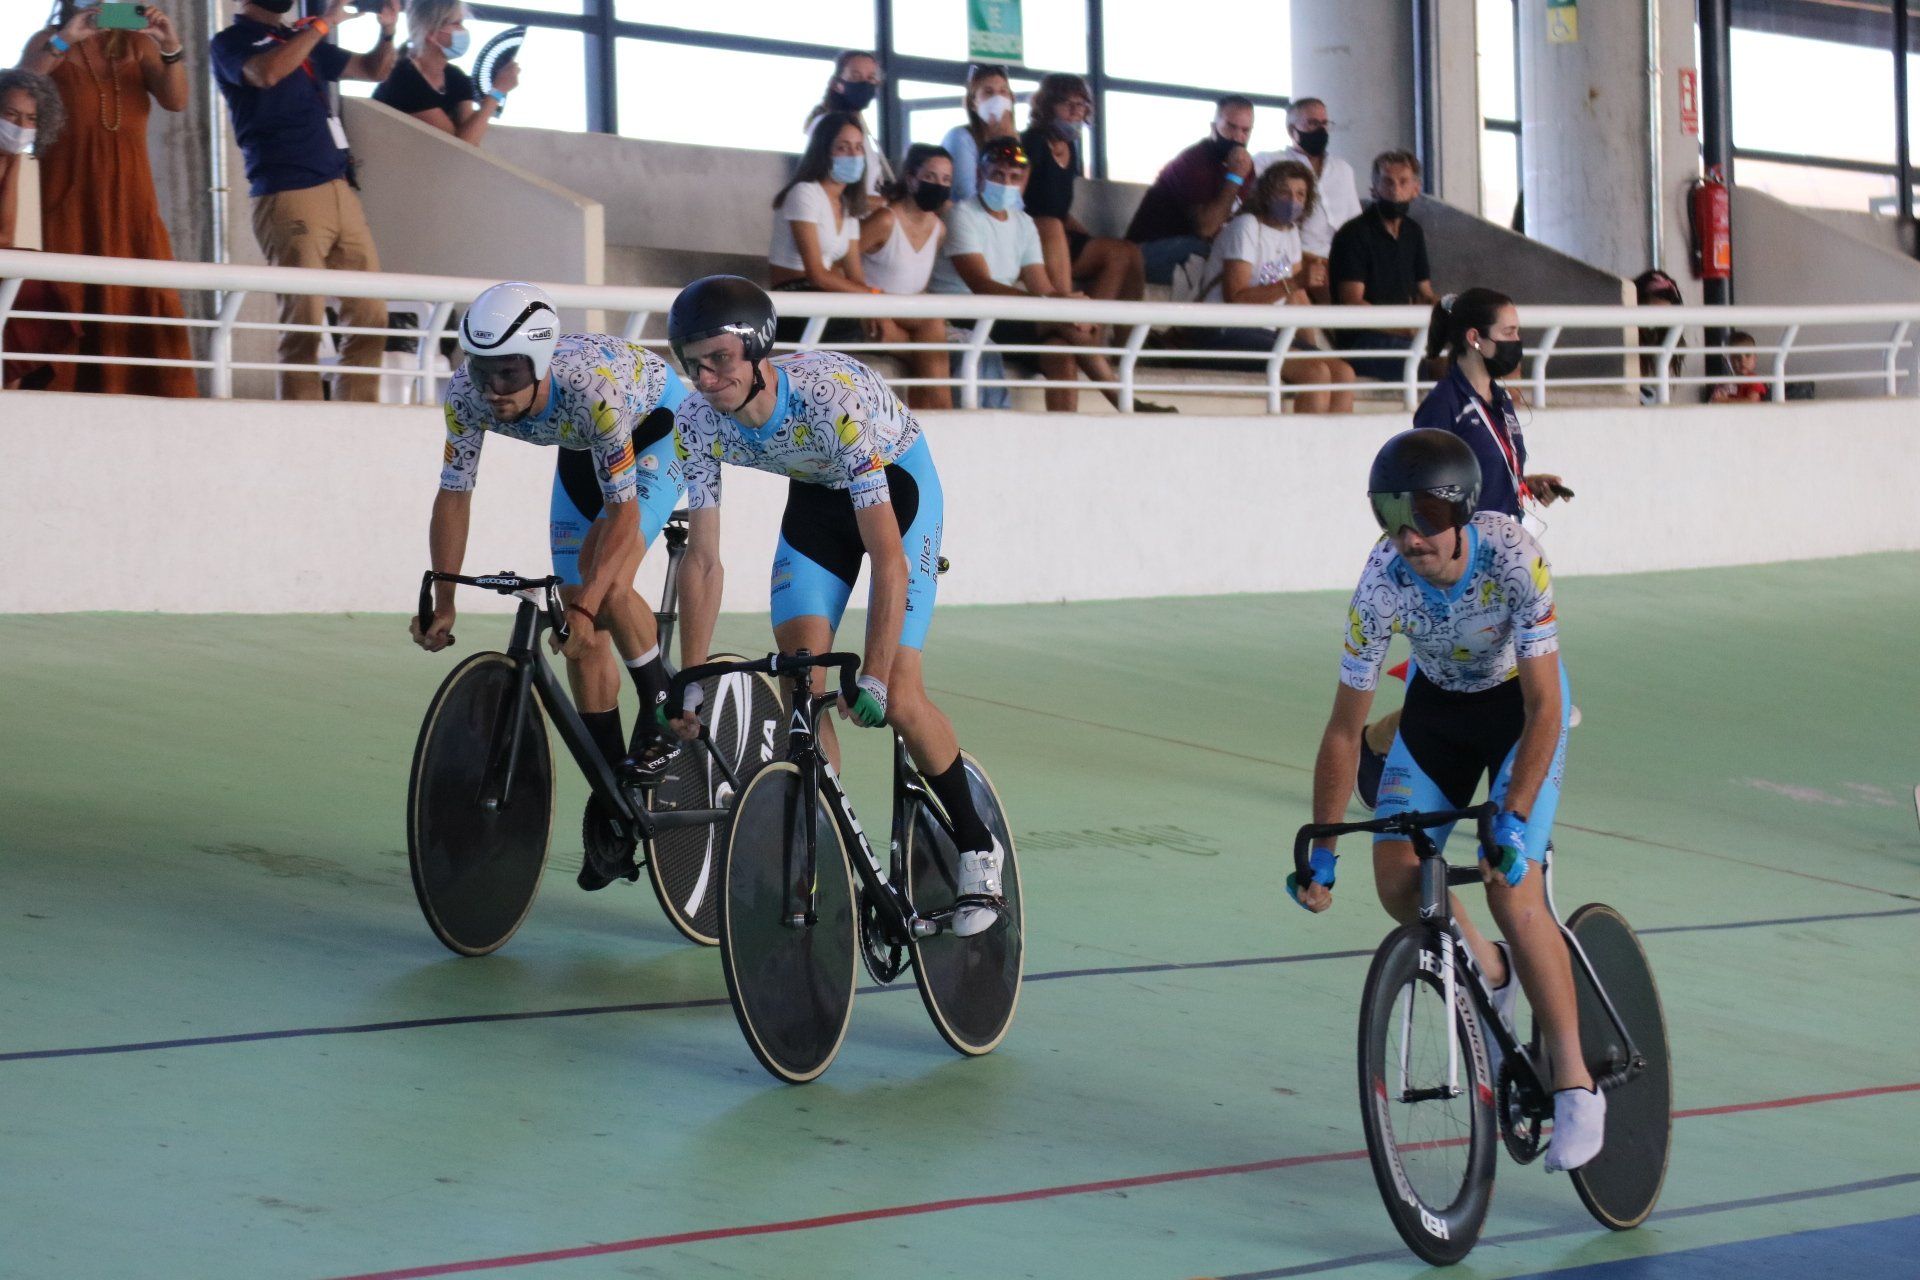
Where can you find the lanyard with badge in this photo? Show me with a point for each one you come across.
(334, 126)
(1510, 455)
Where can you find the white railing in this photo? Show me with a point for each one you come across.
(1609, 358)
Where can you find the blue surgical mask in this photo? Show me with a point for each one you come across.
(1002, 197)
(458, 42)
(847, 169)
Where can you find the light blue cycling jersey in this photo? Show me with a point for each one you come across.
(835, 423)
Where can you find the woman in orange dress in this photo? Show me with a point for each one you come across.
(96, 189)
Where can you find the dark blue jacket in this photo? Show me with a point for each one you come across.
(1453, 405)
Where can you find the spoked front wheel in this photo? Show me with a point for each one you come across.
(747, 727)
(1621, 1185)
(970, 986)
(476, 854)
(791, 983)
(1426, 1107)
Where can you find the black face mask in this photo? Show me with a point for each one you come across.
(1392, 209)
(931, 195)
(274, 6)
(1313, 142)
(1221, 147)
(853, 95)
(1506, 357)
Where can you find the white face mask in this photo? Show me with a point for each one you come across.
(15, 139)
(993, 106)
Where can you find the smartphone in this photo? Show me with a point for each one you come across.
(1560, 491)
(122, 17)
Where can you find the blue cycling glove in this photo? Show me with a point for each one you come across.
(1323, 862)
(1510, 842)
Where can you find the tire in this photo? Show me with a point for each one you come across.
(748, 727)
(1621, 1185)
(970, 986)
(476, 873)
(791, 988)
(1432, 1160)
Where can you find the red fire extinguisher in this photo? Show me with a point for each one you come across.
(1710, 213)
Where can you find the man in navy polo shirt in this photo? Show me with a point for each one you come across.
(305, 211)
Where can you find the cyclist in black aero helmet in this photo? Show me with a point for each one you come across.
(1474, 596)
(861, 484)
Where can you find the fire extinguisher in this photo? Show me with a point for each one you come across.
(1711, 226)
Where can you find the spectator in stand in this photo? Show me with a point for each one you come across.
(306, 212)
(816, 223)
(1338, 199)
(1657, 289)
(1103, 266)
(899, 245)
(1743, 363)
(1195, 193)
(1379, 259)
(427, 85)
(989, 116)
(30, 116)
(97, 194)
(856, 79)
(1257, 260)
(993, 248)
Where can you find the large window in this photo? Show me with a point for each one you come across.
(1053, 32)
(1499, 109)
(550, 96)
(1232, 47)
(841, 23)
(665, 93)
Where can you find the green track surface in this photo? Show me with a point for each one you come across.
(201, 835)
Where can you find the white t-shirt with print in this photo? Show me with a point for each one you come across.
(1008, 245)
(1339, 201)
(1273, 252)
(807, 202)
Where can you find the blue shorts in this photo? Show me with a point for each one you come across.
(577, 501)
(820, 549)
(1448, 741)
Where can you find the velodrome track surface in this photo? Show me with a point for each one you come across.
(229, 1046)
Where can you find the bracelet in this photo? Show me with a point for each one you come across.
(58, 45)
(1236, 180)
(171, 58)
(499, 97)
(321, 25)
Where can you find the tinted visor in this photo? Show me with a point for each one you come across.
(1425, 511)
(501, 375)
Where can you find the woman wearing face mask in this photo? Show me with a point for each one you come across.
(989, 116)
(427, 85)
(852, 89)
(899, 244)
(97, 194)
(816, 223)
(30, 117)
(1257, 260)
(1100, 266)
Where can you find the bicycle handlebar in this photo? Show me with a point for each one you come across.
(506, 584)
(1399, 824)
(773, 664)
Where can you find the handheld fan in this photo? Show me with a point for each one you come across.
(502, 49)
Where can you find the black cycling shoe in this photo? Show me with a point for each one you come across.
(609, 856)
(1366, 782)
(647, 766)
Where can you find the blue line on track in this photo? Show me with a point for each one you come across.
(1862, 1251)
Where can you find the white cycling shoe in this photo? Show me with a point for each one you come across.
(1579, 1128)
(979, 877)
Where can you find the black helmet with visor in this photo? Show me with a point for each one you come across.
(1426, 479)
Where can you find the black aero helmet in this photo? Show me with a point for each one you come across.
(713, 305)
(1427, 479)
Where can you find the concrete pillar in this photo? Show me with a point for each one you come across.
(1455, 59)
(179, 145)
(1595, 152)
(1357, 55)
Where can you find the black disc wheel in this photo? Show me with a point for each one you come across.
(748, 727)
(477, 854)
(970, 986)
(1425, 1101)
(1621, 1185)
(791, 982)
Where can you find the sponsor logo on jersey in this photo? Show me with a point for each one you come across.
(649, 463)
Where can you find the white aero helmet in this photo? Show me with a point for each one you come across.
(512, 319)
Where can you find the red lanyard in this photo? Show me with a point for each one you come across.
(1508, 453)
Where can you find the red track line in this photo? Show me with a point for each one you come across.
(1005, 1197)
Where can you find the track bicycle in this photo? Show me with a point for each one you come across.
(793, 917)
(1431, 1112)
(480, 797)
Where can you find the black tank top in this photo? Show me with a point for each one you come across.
(1049, 185)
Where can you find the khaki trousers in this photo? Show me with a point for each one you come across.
(323, 227)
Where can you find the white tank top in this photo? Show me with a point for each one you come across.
(899, 267)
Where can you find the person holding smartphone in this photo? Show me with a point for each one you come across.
(112, 64)
(428, 85)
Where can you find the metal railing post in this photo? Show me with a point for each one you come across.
(1663, 383)
(810, 336)
(1780, 364)
(426, 386)
(223, 344)
(1540, 358)
(1282, 344)
(1894, 347)
(636, 322)
(1410, 392)
(9, 292)
(970, 365)
(1136, 341)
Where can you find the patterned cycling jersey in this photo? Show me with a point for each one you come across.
(601, 388)
(835, 423)
(1467, 637)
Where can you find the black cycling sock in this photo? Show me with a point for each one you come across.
(650, 678)
(604, 728)
(956, 797)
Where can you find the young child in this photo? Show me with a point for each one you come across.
(1743, 364)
